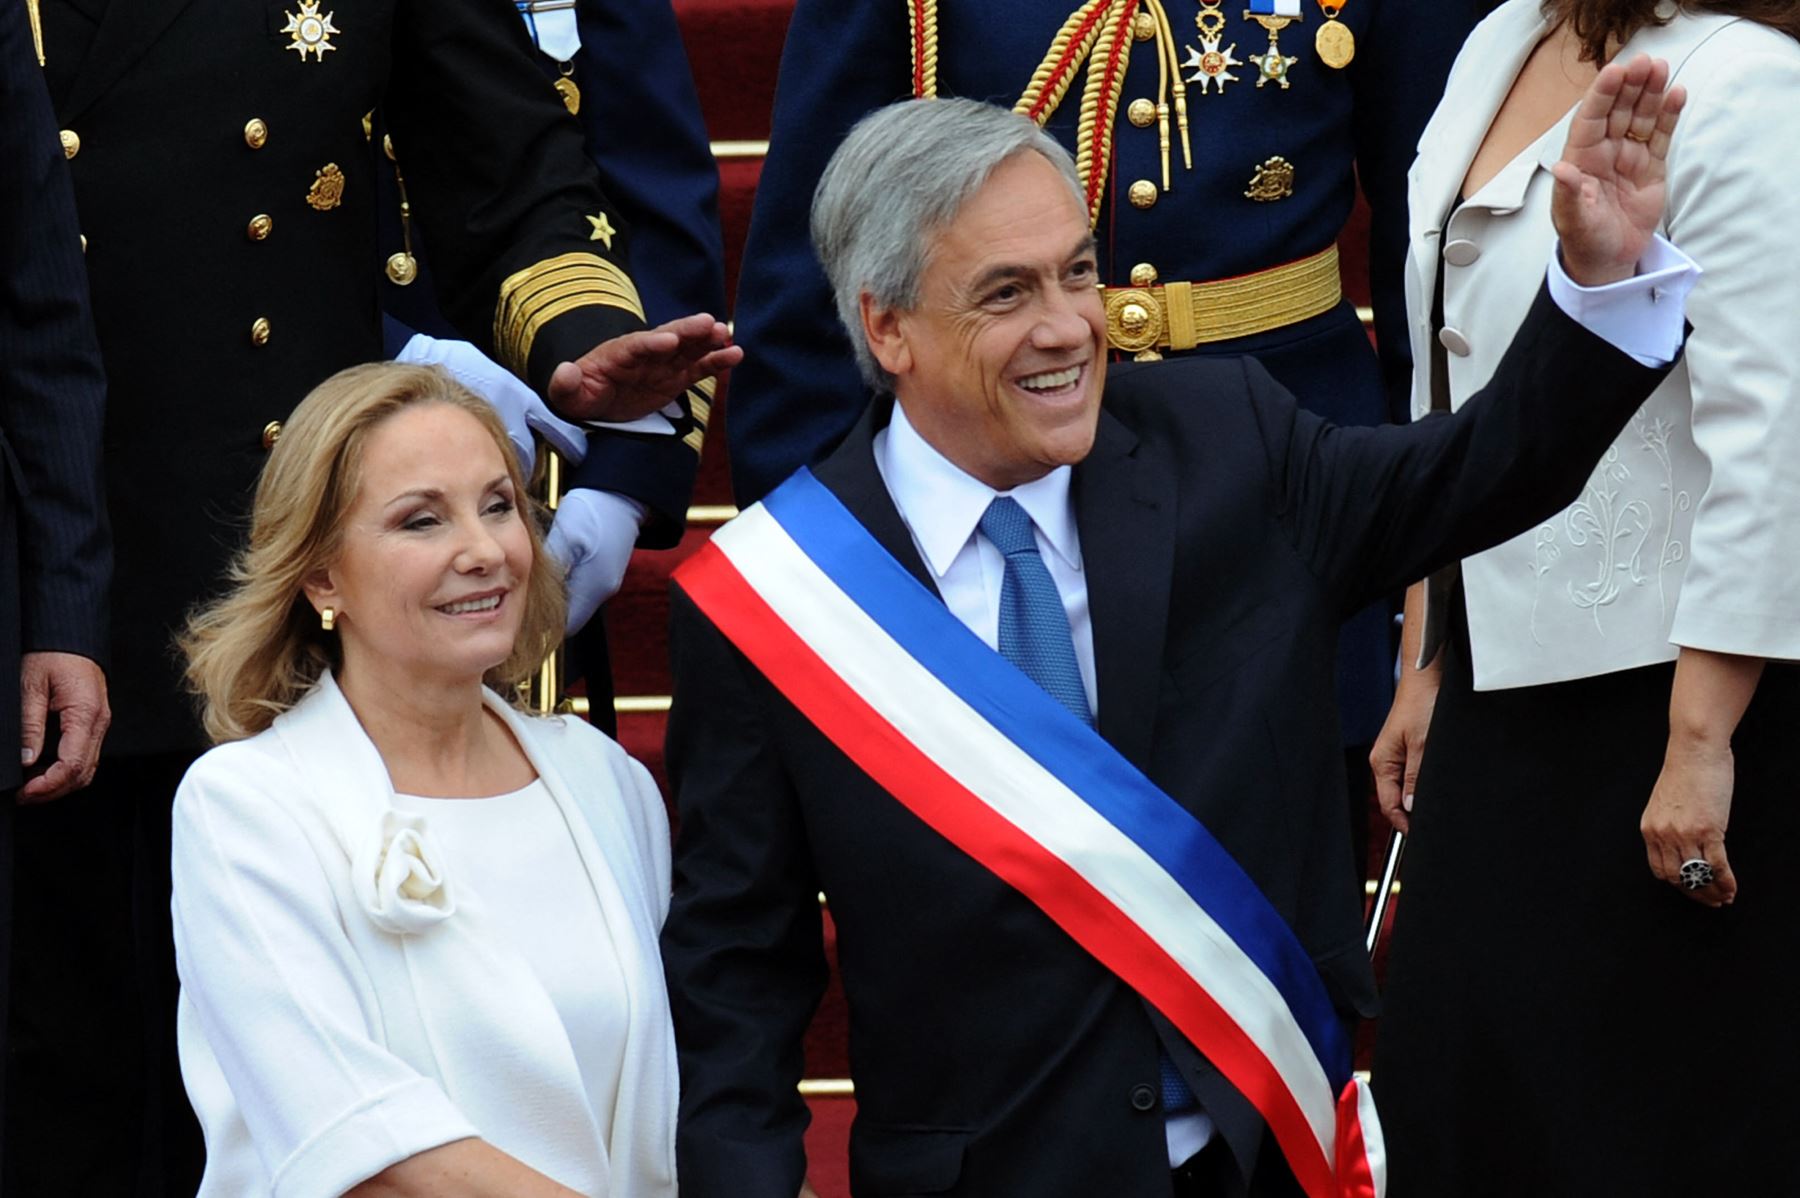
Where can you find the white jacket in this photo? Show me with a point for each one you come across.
(344, 1005)
(1689, 530)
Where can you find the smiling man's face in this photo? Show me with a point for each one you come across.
(1001, 364)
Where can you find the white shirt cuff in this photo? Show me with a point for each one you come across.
(1644, 316)
(661, 423)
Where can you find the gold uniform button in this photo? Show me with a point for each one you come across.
(1143, 275)
(1143, 27)
(259, 227)
(271, 434)
(259, 332)
(387, 147)
(255, 133)
(1142, 194)
(71, 143)
(84, 243)
(1142, 113)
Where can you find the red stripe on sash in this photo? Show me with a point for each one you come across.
(714, 583)
(1354, 1177)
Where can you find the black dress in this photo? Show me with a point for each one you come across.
(1559, 1022)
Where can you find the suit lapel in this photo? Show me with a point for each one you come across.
(1125, 511)
(850, 473)
(129, 28)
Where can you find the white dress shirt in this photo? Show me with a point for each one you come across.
(942, 505)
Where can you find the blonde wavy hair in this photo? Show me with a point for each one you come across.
(258, 649)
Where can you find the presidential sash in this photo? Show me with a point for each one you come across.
(989, 760)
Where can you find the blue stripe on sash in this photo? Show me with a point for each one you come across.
(841, 547)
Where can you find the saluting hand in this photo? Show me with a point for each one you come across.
(1609, 185)
(639, 373)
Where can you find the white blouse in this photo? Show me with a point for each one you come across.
(1688, 531)
(516, 855)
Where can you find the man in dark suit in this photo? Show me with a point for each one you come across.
(225, 180)
(1204, 536)
(54, 554)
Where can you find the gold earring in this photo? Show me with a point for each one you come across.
(327, 618)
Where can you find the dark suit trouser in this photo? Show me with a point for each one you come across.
(6, 891)
(97, 1104)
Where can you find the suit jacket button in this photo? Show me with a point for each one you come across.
(271, 433)
(1143, 1097)
(71, 143)
(259, 331)
(255, 133)
(1461, 252)
(1454, 341)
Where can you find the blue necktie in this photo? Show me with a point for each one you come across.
(1034, 635)
(1034, 628)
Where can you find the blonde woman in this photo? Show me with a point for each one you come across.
(416, 929)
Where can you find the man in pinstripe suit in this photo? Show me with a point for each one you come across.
(55, 553)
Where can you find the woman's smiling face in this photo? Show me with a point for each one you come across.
(430, 580)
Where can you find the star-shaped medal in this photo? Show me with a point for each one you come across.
(1211, 64)
(311, 32)
(603, 230)
(1273, 67)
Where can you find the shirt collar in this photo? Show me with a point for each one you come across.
(942, 503)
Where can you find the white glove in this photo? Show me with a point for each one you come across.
(519, 406)
(592, 536)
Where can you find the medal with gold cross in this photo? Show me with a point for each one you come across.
(1274, 15)
(310, 31)
(1334, 41)
(1211, 64)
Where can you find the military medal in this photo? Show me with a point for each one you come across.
(565, 87)
(1211, 65)
(1334, 41)
(311, 32)
(1274, 15)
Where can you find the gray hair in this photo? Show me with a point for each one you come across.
(903, 173)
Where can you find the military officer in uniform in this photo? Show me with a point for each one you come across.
(226, 190)
(620, 67)
(1221, 143)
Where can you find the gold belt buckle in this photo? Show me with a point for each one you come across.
(1149, 315)
(1135, 321)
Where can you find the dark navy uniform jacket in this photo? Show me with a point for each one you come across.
(195, 118)
(798, 393)
(641, 117)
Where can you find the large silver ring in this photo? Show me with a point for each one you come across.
(1696, 873)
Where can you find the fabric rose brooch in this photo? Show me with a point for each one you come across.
(399, 877)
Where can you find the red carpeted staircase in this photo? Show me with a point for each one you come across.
(735, 47)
